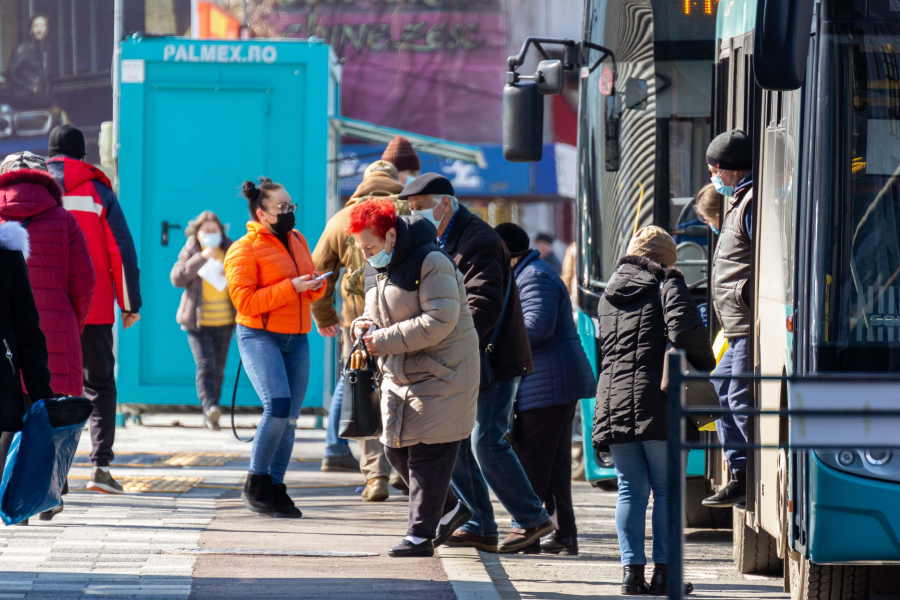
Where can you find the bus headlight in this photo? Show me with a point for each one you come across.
(878, 457)
(846, 458)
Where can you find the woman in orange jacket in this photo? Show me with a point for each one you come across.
(272, 282)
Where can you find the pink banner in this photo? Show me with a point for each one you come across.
(435, 67)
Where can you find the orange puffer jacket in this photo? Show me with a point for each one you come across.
(259, 271)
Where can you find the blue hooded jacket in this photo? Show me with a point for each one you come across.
(562, 373)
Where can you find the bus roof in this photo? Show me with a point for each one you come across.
(735, 17)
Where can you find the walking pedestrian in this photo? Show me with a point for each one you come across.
(401, 154)
(24, 349)
(544, 243)
(88, 196)
(336, 251)
(488, 458)
(548, 397)
(30, 66)
(418, 323)
(205, 311)
(646, 306)
(272, 281)
(730, 158)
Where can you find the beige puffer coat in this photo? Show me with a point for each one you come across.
(426, 341)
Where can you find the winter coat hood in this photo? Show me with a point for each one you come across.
(636, 277)
(26, 193)
(14, 237)
(377, 183)
(413, 232)
(77, 172)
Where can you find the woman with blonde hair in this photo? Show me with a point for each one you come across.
(205, 311)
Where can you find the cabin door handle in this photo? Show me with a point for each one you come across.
(166, 226)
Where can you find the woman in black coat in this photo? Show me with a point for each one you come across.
(22, 343)
(646, 307)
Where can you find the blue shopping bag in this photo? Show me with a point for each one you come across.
(40, 457)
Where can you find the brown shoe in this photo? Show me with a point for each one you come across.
(518, 539)
(463, 539)
(376, 490)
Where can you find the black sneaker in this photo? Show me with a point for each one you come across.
(407, 548)
(735, 491)
(48, 515)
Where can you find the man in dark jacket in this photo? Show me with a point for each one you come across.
(87, 194)
(730, 158)
(487, 459)
(548, 398)
(29, 65)
(24, 347)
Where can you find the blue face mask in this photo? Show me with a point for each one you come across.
(713, 227)
(725, 190)
(382, 259)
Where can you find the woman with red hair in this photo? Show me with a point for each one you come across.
(418, 325)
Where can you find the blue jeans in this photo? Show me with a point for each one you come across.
(486, 458)
(278, 367)
(334, 444)
(733, 394)
(640, 467)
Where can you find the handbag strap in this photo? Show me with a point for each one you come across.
(496, 331)
(359, 343)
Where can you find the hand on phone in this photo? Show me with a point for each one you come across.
(305, 283)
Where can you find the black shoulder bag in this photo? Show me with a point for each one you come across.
(487, 373)
(361, 404)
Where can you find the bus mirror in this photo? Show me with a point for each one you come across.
(781, 43)
(523, 122)
(636, 93)
(549, 77)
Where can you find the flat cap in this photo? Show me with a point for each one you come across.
(731, 151)
(427, 184)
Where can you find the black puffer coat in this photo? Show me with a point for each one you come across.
(645, 307)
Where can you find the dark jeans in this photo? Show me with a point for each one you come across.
(426, 470)
(543, 439)
(334, 444)
(100, 389)
(733, 394)
(486, 458)
(210, 349)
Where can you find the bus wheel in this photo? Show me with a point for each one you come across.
(810, 581)
(698, 516)
(754, 553)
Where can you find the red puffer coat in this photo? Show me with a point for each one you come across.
(59, 266)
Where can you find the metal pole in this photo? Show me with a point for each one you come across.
(117, 57)
(676, 474)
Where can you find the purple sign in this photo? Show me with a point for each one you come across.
(434, 67)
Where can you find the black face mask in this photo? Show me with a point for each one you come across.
(284, 224)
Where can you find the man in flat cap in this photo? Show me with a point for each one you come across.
(730, 159)
(486, 459)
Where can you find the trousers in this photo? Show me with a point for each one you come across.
(100, 389)
(733, 394)
(210, 349)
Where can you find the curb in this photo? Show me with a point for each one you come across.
(467, 574)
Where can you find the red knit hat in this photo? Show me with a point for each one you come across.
(400, 152)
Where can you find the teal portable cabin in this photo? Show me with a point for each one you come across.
(197, 118)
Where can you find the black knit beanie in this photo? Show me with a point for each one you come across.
(68, 140)
(515, 237)
(731, 151)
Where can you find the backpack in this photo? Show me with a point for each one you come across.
(355, 279)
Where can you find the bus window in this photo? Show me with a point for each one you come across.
(856, 290)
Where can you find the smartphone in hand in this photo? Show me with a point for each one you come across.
(322, 276)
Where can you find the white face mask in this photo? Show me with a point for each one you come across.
(428, 213)
(210, 240)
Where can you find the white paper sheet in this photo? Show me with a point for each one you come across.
(213, 272)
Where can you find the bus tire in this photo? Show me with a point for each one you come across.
(754, 553)
(697, 516)
(810, 581)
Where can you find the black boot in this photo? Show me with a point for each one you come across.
(659, 581)
(257, 494)
(48, 515)
(735, 491)
(557, 545)
(282, 503)
(634, 584)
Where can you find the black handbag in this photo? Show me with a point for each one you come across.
(487, 372)
(361, 405)
(697, 393)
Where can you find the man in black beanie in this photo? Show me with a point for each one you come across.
(730, 158)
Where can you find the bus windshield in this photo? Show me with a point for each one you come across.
(856, 247)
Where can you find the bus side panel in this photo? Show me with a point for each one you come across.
(852, 519)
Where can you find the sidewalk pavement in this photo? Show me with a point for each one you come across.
(195, 544)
